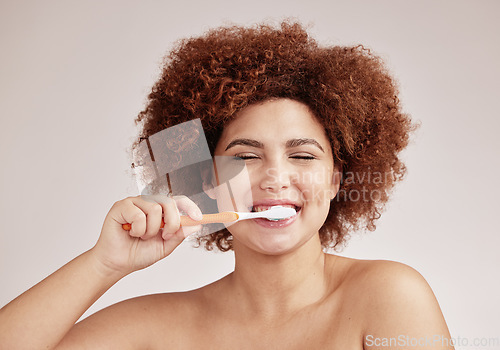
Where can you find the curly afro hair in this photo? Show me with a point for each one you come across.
(348, 89)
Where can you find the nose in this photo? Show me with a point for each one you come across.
(275, 177)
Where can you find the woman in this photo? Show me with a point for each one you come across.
(290, 109)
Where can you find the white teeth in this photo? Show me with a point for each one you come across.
(265, 207)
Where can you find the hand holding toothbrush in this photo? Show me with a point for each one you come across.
(144, 244)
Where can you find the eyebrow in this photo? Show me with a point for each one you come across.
(289, 144)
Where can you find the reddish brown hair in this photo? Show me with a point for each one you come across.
(348, 89)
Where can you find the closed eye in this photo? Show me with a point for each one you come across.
(304, 157)
(246, 157)
(255, 157)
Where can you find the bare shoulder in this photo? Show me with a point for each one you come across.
(388, 283)
(384, 276)
(135, 323)
(357, 271)
(397, 303)
(379, 276)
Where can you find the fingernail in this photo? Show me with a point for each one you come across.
(196, 214)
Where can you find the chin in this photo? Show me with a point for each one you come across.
(268, 241)
(275, 250)
(277, 245)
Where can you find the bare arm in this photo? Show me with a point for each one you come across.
(42, 316)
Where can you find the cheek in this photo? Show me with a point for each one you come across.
(234, 190)
(315, 187)
(231, 197)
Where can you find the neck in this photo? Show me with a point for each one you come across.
(276, 285)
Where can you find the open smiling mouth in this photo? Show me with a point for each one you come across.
(261, 208)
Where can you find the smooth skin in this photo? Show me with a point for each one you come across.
(285, 292)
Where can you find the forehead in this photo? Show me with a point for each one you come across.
(275, 121)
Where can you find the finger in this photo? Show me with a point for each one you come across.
(181, 203)
(189, 207)
(132, 214)
(171, 217)
(189, 230)
(173, 240)
(153, 212)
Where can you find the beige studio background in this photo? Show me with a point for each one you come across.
(74, 75)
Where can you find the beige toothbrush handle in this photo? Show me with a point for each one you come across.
(226, 216)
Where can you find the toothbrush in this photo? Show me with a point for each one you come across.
(274, 213)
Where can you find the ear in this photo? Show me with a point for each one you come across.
(209, 190)
(208, 187)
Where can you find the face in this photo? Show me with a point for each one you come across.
(289, 162)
